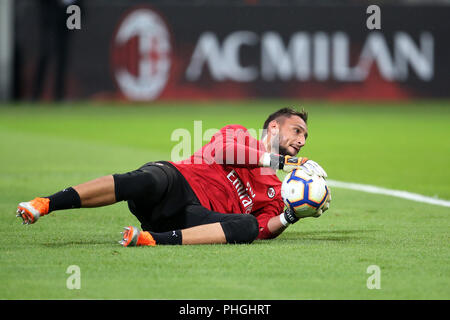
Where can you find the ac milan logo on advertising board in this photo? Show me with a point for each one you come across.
(140, 54)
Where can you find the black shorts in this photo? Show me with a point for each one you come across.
(168, 203)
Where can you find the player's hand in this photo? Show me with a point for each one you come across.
(325, 206)
(312, 167)
(289, 163)
(309, 166)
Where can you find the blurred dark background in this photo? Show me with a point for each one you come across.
(198, 49)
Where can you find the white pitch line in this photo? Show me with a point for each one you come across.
(388, 192)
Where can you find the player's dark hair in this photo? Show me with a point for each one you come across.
(286, 113)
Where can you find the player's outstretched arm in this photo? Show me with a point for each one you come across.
(276, 225)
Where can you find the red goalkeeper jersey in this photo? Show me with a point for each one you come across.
(225, 176)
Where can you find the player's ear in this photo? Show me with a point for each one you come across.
(273, 128)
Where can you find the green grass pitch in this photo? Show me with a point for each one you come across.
(404, 146)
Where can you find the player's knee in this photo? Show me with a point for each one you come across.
(245, 229)
(138, 184)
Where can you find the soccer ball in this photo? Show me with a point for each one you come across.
(303, 193)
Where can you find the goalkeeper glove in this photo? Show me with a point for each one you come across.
(312, 167)
(288, 163)
(288, 217)
(325, 206)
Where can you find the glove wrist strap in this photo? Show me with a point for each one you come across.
(283, 220)
(281, 160)
(289, 217)
(272, 160)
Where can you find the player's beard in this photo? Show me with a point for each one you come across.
(276, 146)
(284, 151)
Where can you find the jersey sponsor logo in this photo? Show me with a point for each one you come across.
(242, 191)
(271, 192)
(140, 53)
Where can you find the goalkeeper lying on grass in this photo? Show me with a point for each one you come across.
(226, 192)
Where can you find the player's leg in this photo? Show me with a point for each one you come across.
(31, 211)
(198, 226)
(148, 182)
(96, 193)
(203, 234)
(178, 218)
(214, 227)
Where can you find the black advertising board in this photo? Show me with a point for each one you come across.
(133, 50)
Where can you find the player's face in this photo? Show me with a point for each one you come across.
(293, 132)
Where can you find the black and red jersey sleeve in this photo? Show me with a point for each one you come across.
(263, 216)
